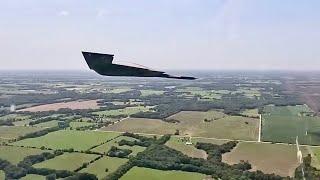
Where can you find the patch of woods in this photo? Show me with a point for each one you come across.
(310, 172)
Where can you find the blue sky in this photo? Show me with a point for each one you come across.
(166, 34)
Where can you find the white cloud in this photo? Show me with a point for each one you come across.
(63, 13)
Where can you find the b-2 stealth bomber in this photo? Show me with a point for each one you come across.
(102, 64)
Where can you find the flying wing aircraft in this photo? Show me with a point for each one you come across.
(102, 64)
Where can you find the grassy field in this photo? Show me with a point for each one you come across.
(66, 161)
(98, 168)
(53, 123)
(2, 175)
(283, 124)
(126, 111)
(251, 113)
(151, 92)
(269, 158)
(80, 124)
(106, 147)
(16, 154)
(33, 177)
(65, 139)
(248, 92)
(153, 174)
(189, 150)
(22, 123)
(12, 132)
(118, 90)
(228, 127)
(15, 117)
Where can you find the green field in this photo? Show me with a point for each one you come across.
(12, 132)
(228, 127)
(283, 124)
(118, 90)
(80, 124)
(2, 174)
(153, 174)
(190, 150)
(33, 177)
(65, 139)
(22, 122)
(151, 92)
(16, 154)
(270, 158)
(203, 94)
(14, 117)
(126, 111)
(48, 124)
(66, 161)
(98, 168)
(248, 92)
(106, 147)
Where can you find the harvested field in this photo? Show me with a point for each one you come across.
(270, 158)
(90, 104)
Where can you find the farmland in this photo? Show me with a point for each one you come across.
(283, 124)
(189, 150)
(16, 154)
(104, 148)
(227, 127)
(13, 132)
(282, 159)
(65, 139)
(214, 116)
(145, 173)
(99, 167)
(126, 111)
(91, 104)
(67, 161)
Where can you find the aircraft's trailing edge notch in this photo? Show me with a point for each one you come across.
(102, 64)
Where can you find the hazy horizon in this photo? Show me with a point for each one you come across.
(210, 35)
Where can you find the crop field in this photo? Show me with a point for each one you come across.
(99, 167)
(104, 148)
(65, 139)
(198, 115)
(16, 154)
(66, 161)
(126, 111)
(12, 132)
(33, 177)
(151, 92)
(146, 173)
(270, 158)
(90, 104)
(283, 124)
(189, 150)
(228, 127)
